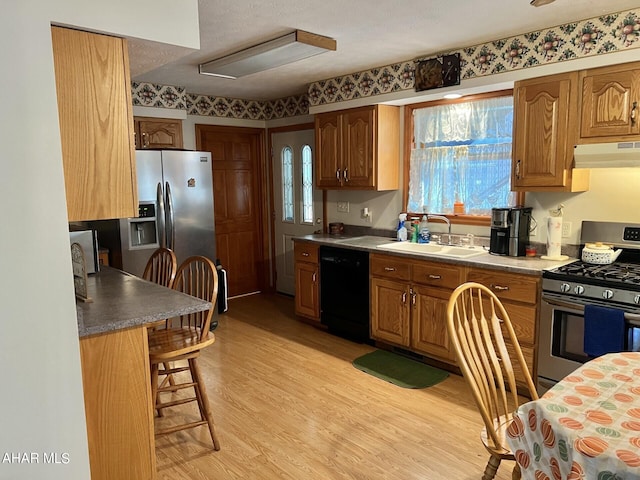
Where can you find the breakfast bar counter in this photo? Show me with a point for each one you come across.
(114, 356)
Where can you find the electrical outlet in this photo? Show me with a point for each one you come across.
(566, 229)
(343, 207)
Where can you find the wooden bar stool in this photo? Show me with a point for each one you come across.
(183, 339)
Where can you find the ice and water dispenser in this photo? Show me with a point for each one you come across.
(143, 231)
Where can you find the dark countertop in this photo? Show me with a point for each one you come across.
(122, 300)
(524, 265)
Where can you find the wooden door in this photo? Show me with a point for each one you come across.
(390, 311)
(328, 166)
(357, 147)
(608, 98)
(237, 178)
(545, 122)
(429, 322)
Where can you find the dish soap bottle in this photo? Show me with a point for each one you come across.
(424, 235)
(401, 234)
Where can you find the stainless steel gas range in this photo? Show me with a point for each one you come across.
(567, 289)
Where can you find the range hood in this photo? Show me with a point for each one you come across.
(607, 155)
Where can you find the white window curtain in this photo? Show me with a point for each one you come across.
(462, 153)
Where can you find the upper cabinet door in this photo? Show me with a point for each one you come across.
(328, 167)
(96, 124)
(158, 133)
(545, 128)
(358, 144)
(610, 103)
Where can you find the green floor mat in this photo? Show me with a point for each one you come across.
(399, 370)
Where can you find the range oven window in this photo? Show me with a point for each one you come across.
(567, 340)
(568, 336)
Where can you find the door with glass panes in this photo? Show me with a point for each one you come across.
(297, 203)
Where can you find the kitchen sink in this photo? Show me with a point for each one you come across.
(433, 249)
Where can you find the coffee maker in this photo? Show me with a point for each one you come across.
(510, 230)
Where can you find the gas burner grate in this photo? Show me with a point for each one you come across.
(615, 272)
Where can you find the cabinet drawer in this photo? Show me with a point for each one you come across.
(436, 274)
(305, 252)
(390, 267)
(507, 286)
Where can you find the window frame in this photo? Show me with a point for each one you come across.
(408, 140)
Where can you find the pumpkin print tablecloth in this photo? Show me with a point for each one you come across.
(586, 427)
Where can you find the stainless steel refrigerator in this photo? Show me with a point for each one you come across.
(175, 192)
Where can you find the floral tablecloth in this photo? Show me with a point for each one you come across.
(586, 427)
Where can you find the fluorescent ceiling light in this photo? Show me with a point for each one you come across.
(539, 3)
(280, 51)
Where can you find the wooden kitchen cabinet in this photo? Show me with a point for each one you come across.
(117, 397)
(96, 124)
(390, 299)
(158, 133)
(545, 126)
(519, 295)
(358, 148)
(432, 285)
(610, 103)
(307, 275)
(409, 303)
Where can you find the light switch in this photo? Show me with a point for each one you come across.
(343, 207)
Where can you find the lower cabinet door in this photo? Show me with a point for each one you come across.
(307, 289)
(429, 323)
(390, 311)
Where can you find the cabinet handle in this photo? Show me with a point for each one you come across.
(413, 298)
(633, 113)
(338, 174)
(518, 169)
(499, 287)
(345, 174)
(434, 277)
(389, 269)
(313, 278)
(404, 297)
(305, 254)
(145, 140)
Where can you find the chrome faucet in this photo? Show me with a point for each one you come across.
(445, 220)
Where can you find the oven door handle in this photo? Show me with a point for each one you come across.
(630, 318)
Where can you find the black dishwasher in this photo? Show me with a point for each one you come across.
(344, 292)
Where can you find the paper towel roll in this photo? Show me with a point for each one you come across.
(554, 236)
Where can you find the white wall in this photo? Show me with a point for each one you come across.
(41, 409)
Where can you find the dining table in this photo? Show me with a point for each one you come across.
(585, 427)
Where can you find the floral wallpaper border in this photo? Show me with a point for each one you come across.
(168, 96)
(605, 34)
(596, 36)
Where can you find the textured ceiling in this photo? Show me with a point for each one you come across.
(368, 33)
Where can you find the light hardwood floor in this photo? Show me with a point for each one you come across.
(288, 404)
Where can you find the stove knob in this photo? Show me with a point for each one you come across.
(636, 299)
(608, 294)
(579, 290)
(565, 287)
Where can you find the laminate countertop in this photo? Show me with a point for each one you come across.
(122, 300)
(523, 265)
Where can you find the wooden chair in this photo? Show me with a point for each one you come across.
(183, 339)
(161, 267)
(480, 330)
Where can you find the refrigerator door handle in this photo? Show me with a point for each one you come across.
(171, 232)
(160, 216)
